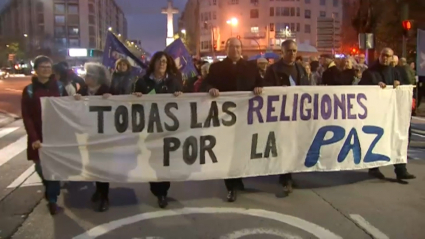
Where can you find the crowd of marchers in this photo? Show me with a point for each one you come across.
(232, 74)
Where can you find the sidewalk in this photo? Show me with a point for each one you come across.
(6, 118)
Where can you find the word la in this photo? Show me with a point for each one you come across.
(338, 134)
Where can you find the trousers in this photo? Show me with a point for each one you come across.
(103, 189)
(160, 189)
(52, 188)
(233, 183)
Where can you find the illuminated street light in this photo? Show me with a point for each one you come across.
(109, 28)
(7, 45)
(25, 35)
(233, 21)
(119, 35)
(183, 31)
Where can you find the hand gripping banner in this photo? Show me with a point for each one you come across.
(196, 137)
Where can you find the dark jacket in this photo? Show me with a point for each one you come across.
(347, 77)
(379, 73)
(75, 80)
(103, 89)
(122, 83)
(170, 85)
(31, 111)
(226, 76)
(332, 75)
(276, 76)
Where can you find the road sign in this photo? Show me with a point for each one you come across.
(11, 57)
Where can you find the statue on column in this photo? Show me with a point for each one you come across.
(365, 20)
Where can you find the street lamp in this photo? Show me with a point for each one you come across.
(25, 35)
(233, 21)
(109, 28)
(183, 31)
(119, 35)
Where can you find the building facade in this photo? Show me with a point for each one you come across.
(189, 26)
(262, 25)
(58, 25)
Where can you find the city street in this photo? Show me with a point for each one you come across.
(324, 205)
(10, 93)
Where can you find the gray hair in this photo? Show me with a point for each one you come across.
(98, 72)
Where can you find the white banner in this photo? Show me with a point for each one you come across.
(196, 137)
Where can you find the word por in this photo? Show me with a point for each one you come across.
(307, 107)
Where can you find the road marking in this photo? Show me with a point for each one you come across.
(14, 90)
(304, 225)
(418, 118)
(6, 131)
(10, 151)
(361, 222)
(259, 231)
(420, 135)
(25, 179)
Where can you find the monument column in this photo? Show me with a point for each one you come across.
(170, 11)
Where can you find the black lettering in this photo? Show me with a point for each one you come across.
(254, 142)
(226, 109)
(137, 110)
(194, 116)
(212, 116)
(190, 150)
(270, 146)
(121, 119)
(170, 144)
(176, 124)
(204, 147)
(100, 118)
(154, 119)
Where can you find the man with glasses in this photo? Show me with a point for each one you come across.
(361, 65)
(381, 73)
(286, 72)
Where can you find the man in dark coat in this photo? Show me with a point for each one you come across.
(232, 74)
(287, 72)
(382, 73)
(42, 85)
(331, 75)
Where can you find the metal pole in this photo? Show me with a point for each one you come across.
(404, 47)
(212, 45)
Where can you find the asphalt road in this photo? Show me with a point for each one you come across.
(10, 94)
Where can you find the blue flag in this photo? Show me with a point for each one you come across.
(420, 53)
(115, 49)
(183, 59)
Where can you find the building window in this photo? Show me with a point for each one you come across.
(322, 14)
(40, 18)
(74, 43)
(60, 41)
(92, 20)
(91, 8)
(92, 42)
(72, 9)
(292, 11)
(214, 15)
(307, 1)
(298, 11)
(214, 2)
(286, 11)
(272, 11)
(73, 31)
(59, 20)
(92, 31)
(41, 28)
(335, 15)
(234, 2)
(39, 7)
(59, 31)
(254, 1)
(279, 11)
(254, 29)
(254, 13)
(298, 26)
(271, 27)
(323, 2)
(307, 14)
(307, 28)
(59, 8)
(73, 20)
(336, 3)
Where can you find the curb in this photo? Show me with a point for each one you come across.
(9, 118)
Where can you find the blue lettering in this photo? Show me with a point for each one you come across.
(355, 146)
(371, 157)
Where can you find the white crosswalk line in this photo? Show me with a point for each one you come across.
(10, 151)
(6, 131)
(22, 178)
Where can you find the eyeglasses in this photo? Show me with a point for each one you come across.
(386, 55)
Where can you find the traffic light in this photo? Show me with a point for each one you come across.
(407, 27)
(354, 51)
(238, 36)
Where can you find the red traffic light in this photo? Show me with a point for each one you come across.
(354, 50)
(239, 37)
(407, 25)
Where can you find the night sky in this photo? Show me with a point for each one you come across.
(145, 21)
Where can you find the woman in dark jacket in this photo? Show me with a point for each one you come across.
(160, 78)
(97, 83)
(122, 81)
(42, 84)
(348, 74)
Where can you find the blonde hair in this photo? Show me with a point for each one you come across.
(98, 72)
(205, 68)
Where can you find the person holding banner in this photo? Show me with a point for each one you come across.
(382, 73)
(122, 81)
(97, 83)
(233, 74)
(287, 72)
(42, 84)
(162, 77)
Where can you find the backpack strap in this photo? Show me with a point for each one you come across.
(29, 90)
(60, 87)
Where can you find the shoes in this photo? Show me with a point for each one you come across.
(53, 208)
(162, 201)
(405, 176)
(376, 173)
(287, 186)
(232, 195)
(103, 205)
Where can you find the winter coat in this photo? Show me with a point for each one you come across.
(31, 110)
(276, 75)
(122, 83)
(103, 89)
(170, 84)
